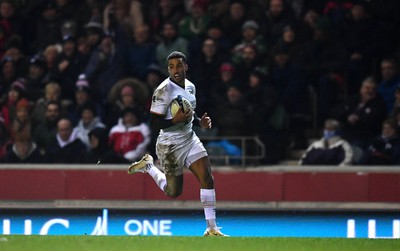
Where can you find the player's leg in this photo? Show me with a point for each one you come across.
(174, 185)
(170, 184)
(201, 168)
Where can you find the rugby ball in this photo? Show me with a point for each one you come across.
(180, 102)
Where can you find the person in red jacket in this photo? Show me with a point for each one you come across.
(130, 136)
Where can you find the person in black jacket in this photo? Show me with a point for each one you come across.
(100, 152)
(385, 150)
(331, 149)
(66, 147)
(362, 115)
(23, 150)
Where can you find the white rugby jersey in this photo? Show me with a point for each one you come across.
(161, 104)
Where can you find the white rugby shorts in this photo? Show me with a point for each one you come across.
(175, 156)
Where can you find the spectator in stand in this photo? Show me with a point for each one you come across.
(337, 10)
(103, 69)
(8, 75)
(67, 68)
(52, 93)
(170, 41)
(194, 25)
(46, 129)
(205, 72)
(73, 10)
(69, 28)
(289, 42)
(66, 147)
(271, 119)
(289, 82)
(9, 18)
(331, 149)
(47, 26)
(288, 79)
(8, 106)
(390, 80)
(13, 50)
(385, 150)
(322, 58)
(358, 32)
(130, 137)
(250, 36)
(166, 11)
(21, 125)
(361, 115)
(50, 55)
(23, 151)
(126, 93)
(249, 60)
(83, 97)
(232, 21)
(100, 151)
(306, 25)
(215, 32)
(93, 34)
(233, 118)
(89, 121)
(277, 16)
(218, 91)
(37, 78)
(141, 52)
(5, 141)
(153, 79)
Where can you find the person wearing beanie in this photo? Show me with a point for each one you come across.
(36, 78)
(83, 97)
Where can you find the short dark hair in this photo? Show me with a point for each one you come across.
(177, 54)
(54, 103)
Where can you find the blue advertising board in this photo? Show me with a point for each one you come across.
(191, 223)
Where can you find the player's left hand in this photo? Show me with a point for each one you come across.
(205, 121)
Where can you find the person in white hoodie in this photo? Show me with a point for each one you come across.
(89, 121)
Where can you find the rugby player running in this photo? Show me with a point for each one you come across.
(177, 145)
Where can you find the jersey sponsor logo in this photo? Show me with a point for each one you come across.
(158, 95)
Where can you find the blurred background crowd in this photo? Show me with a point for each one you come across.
(77, 76)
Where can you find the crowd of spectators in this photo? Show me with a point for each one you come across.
(77, 75)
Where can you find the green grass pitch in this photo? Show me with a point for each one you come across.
(120, 243)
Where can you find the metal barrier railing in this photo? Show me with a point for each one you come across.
(252, 150)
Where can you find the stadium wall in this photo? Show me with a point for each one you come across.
(262, 184)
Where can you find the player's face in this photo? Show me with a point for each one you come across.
(177, 70)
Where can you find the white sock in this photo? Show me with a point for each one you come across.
(207, 197)
(158, 176)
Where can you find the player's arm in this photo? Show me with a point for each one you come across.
(158, 121)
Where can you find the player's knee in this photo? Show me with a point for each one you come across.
(173, 192)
